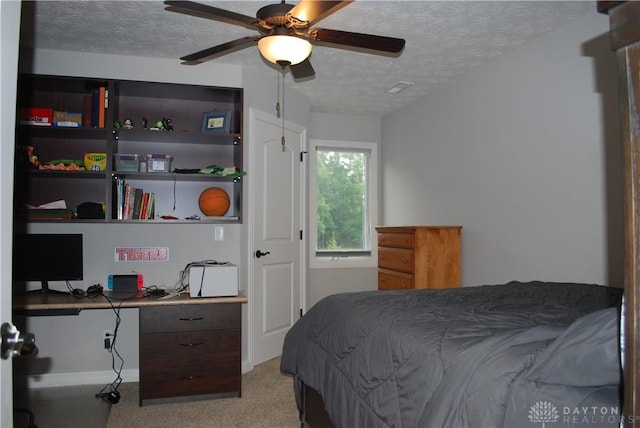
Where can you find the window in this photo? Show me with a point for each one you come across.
(343, 203)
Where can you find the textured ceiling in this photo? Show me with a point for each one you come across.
(444, 39)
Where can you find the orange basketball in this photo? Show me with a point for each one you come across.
(214, 202)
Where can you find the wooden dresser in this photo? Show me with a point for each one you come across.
(418, 257)
(190, 352)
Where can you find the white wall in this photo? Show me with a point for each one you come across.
(84, 64)
(523, 153)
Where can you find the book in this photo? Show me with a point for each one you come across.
(115, 192)
(102, 91)
(36, 116)
(132, 203)
(95, 107)
(48, 214)
(86, 111)
(137, 204)
(130, 192)
(151, 206)
(144, 209)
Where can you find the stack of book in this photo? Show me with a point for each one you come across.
(95, 106)
(47, 214)
(133, 203)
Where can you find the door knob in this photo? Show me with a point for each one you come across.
(260, 254)
(15, 344)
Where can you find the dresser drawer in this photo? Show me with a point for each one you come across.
(161, 319)
(396, 259)
(191, 344)
(388, 280)
(396, 240)
(191, 376)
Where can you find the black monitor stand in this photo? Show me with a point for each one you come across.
(46, 290)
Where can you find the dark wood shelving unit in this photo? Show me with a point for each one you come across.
(189, 146)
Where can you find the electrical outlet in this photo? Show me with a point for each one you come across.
(107, 338)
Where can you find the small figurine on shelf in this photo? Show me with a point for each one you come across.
(145, 123)
(167, 124)
(158, 126)
(231, 171)
(117, 125)
(128, 124)
(28, 158)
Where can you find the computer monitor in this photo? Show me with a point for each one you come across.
(47, 257)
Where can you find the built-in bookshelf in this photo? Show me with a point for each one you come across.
(168, 141)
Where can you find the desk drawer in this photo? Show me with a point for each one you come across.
(162, 319)
(154, 346)
(388, 280)
(396, 240)
(396, 259)
(192, 376)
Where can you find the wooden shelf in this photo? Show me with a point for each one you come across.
(190, 148)
(171, 176)
(174, 137)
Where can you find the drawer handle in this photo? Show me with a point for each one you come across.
(191, 344)
(192, 319)
(190, 377)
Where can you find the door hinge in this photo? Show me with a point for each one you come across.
(300, 312)
(302, 155)
(301, 235)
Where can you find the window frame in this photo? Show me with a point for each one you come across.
(355, 259)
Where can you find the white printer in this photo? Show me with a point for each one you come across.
(213, 280)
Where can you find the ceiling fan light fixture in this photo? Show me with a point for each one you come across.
(288, 49)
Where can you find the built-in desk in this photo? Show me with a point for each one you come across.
(190, 348)
(67, 302)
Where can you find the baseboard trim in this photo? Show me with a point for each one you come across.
(51, 380)
(246, 366)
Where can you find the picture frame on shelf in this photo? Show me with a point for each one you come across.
(216, 121)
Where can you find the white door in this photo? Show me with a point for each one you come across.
(275, 232)
(9, 37)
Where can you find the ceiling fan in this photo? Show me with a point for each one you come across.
(285, 33)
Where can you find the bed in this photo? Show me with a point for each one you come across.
(475, 356)
(625, 41)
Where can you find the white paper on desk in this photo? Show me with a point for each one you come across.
(55, 205)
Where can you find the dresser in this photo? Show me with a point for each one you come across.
(419, 257)
(190, 352)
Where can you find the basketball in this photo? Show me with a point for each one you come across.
(214, 202)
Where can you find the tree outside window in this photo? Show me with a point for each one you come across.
(343, 201)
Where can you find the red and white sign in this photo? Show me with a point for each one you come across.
(141, 254)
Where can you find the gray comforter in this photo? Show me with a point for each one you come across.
(518, 354)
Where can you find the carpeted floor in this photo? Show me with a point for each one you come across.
(267, 402)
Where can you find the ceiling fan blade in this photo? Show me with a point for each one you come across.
(314, 10)
(366, 41)
(210, 12)
(302, 70)
(223, 49)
